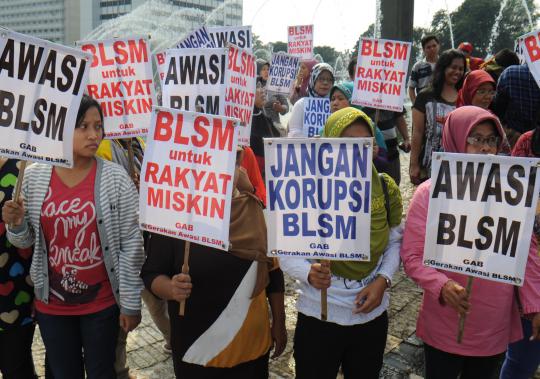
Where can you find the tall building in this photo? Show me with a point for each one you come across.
(67, 21)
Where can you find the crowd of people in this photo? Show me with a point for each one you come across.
(74, 261)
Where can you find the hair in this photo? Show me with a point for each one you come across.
(429, 37)
(445, 60)
(506, 58)
(87, 102)
(352, 66)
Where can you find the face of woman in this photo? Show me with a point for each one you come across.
(484, 95)
(359, 129)
(338, 101)
(304, 71)
(483, 139)
(454, 72)
(264, 72)
(324, 83)
(88, 134)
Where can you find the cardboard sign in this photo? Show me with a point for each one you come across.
(519, 49)
(316, 112)
(481, 215)
(381, 74)
(282, 73)
(121, 80)
(198, 39)
(40, 94)
(240, 36)
(187, 177)
(531, 42)
(300, 41)
(195, 79)
(240, 86)
(318, 197)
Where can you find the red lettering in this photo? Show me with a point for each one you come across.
(531, 43)
(201, 124)
(163, 130)
(91, 49)
(138, 51)
(103, 56)
(178, 138)
(400, 51)
(151, 170)
(366, 47)
(160, 58)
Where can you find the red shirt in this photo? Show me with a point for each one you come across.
(78, 278)
(254, 174)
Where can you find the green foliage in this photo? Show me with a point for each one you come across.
(328, 53)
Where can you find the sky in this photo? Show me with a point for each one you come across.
(338, 23)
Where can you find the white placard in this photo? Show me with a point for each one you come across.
(194, 80)
(481, 215)
(381, 74)
(121, 80)
(531, 52)
(41, 85)
(240, 36)
(283, 68)
(300, 42)
(318, 197)
(316, 112)
(240, 86)
(187, 177)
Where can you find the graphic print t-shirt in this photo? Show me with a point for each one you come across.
(78, 278)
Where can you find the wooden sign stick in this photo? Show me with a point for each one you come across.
(185, 270)
(131, 158)
(324, 299)
(463, 317)
(18, 185)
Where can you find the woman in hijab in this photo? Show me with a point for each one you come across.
(492, 311)
(226, 330)
(320, 83)
(523, 357)
(276, 104)
(302, 80)
(354, 335)
(479, 90)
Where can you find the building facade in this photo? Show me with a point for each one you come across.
(67, 21)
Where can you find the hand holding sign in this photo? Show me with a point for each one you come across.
(181, 287)
(319, 275)
(13, 212)
(455, 296)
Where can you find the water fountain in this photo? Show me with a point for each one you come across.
(524, 2)
(495, 29)
(378, 20)
(450, 24)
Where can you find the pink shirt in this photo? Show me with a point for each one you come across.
(494, 319)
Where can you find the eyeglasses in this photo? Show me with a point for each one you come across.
(483, 92)
(491, 141)
(325, 80)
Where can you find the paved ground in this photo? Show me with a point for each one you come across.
(403, 353)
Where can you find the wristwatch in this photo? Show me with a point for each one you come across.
(387, 280)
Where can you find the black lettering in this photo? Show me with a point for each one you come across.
(7, 60)
(68, 62)
(186, 67)
(7, 100)
(530, 186)
(446, 230)
(214, 68)
(462, 242)
(507, 239)
(55, 125)
(80, 75)
(493, 184)
(446, 186)
(38, 128)
(19, 124)
(470, 178)
(29, 61)
(202, 74)
(172, 75)
(484, 232)
(515, 184)
(49, 70)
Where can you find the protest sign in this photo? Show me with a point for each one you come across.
(300, 42)
(40, 94)
(121, 80)
(282, 73)
(531, 42)
(318, 197)
(240, 86)
(198, 39)
(381, 74)
(481, 214)
(237, 35)
(187, 176)
(161, 67)
(195, 79)
(519, 49)
(316, 112)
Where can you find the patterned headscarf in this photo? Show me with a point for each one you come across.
(344, 87)
(317, 70)
(340, 120)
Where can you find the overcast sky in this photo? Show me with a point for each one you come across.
(338, 23)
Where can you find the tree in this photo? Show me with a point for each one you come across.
(328, 54)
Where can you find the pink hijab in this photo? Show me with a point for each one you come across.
(459, 124)
(474, 80)
(305, 82)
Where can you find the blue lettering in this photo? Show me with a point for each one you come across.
(325, 170)
(274, 189)
(354, 191)
(307, 159)
(347, 231)
(325, 222)
(340, 193)
(308, 191)
(293, 194)
(305, 228)
(359, 160)
(290, 225)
